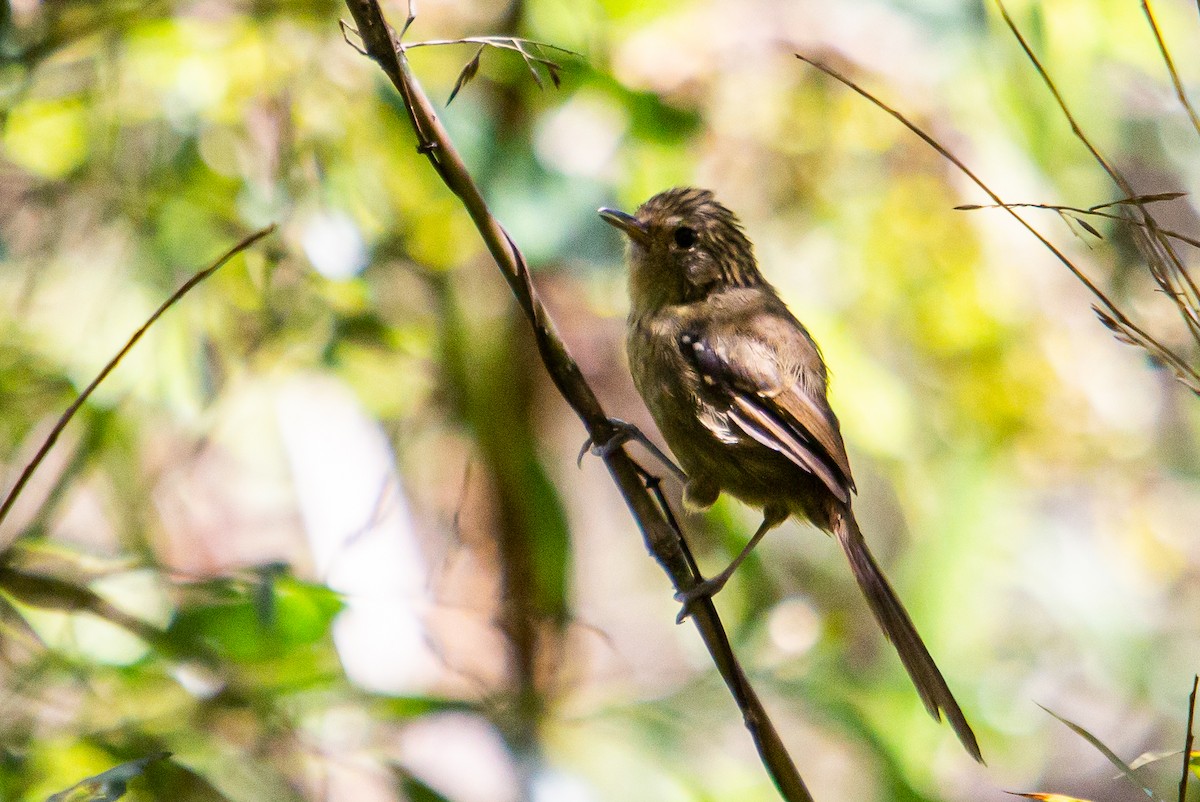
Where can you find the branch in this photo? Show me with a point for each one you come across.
(1164, 264)
(1189, 740)
(1180, 92)
(65, 418)
(1108, 312)
(1075, 213)
(382, 45)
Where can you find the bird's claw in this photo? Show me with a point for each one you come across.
(583, 451)
(699, 592)
(604, 449)
(622, 434)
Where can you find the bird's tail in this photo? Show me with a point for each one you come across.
(899, 629)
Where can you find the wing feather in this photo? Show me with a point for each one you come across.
(773, 381)
(761, 425)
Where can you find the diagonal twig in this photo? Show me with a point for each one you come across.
(527, 49)
(435, 144)
(1163, 262)
(65, 418)
(1074, 212)
(1110, 314)
(1180, 92)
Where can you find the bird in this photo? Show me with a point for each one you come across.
(738, 388)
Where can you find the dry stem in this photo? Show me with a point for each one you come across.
(384, 47)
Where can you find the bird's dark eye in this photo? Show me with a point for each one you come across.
(685, 237)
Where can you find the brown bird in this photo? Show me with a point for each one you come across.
(738, 389)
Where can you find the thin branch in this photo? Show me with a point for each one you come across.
(45, 592)
(528, 49)
(436, 145)
(1185, 304)
(1180, 92)
(1110, 314)
(1188, 741)
(1093, 211)
(65, 418)
(1161, 259)
(506, 42)
(1117, 178)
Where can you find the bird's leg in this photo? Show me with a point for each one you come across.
(707, 588)
(624, 433)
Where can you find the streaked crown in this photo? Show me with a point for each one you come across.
(683, 245)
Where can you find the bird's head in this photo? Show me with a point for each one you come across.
(683, 244)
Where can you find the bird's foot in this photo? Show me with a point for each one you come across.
(625, 432)
(699, 592)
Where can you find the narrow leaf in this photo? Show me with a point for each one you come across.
(1140, 200)
(468, 73)
(1147, 758)
(1112, 325)
(1111, 756)
(537, 79)
(1088, 227)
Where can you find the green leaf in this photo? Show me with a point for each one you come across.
(109, 785)
(409, 707)
(468, 73)
(268, 618)
(413, 789)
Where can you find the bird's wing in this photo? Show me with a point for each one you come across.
(773, 381)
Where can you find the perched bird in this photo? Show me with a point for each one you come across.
(738, 389)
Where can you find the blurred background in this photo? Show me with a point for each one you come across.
(322, 535)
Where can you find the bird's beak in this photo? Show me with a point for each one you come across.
(633, 228)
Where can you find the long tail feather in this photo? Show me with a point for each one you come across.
(899, 629)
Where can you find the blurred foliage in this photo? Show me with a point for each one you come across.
(321, 534)
(108, 786)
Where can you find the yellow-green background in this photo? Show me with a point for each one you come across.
(1031, 485)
